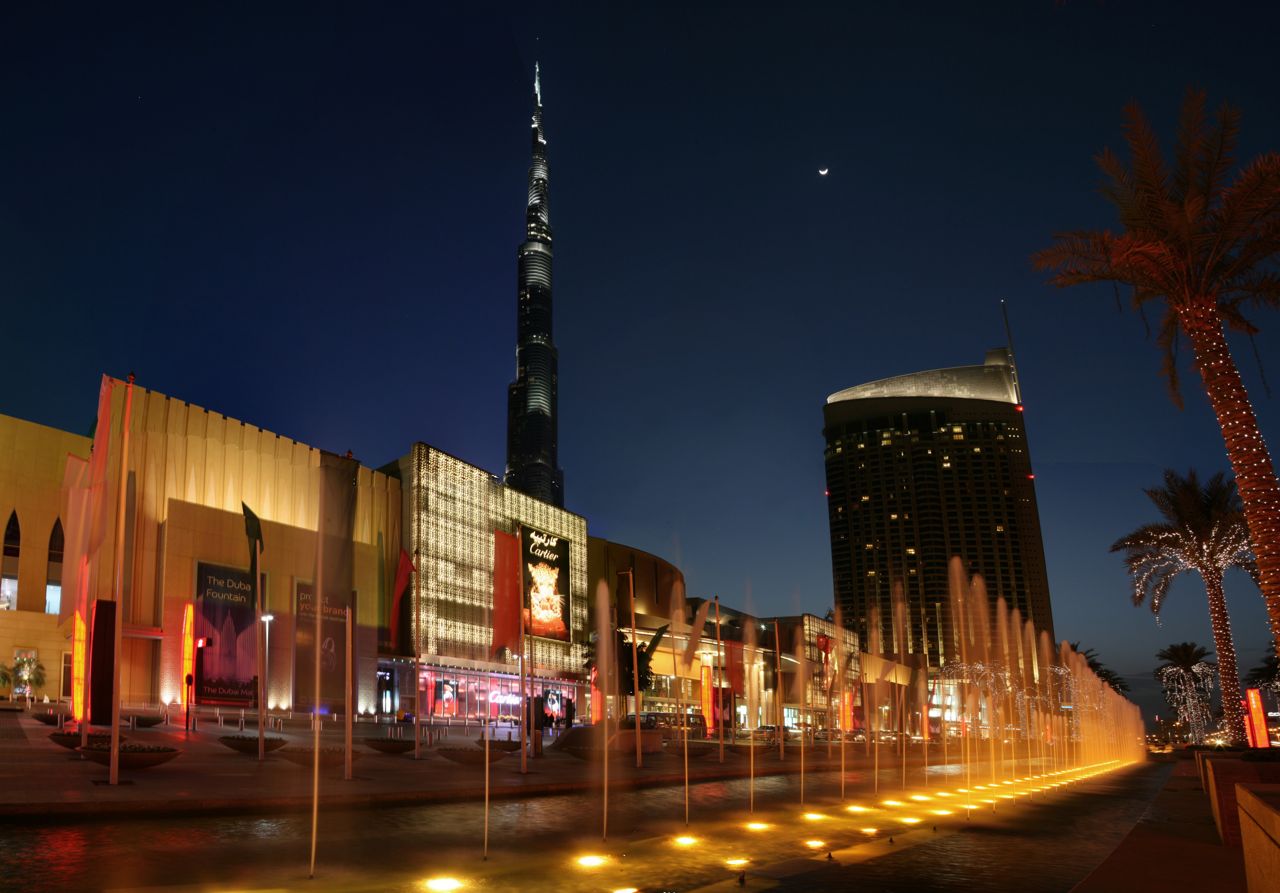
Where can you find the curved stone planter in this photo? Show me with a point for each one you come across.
(248, 744)
(390, 746)
(71, 740)
(466, 756)
(329, 756)
(500, 744)
(132, 756)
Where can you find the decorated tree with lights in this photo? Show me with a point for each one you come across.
(1204, 533)
(1200, 241)
(1187, 680)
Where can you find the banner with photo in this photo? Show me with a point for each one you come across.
(224, 618)
(333, 651)
(544, 574)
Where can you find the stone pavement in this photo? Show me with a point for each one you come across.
(1174, 846)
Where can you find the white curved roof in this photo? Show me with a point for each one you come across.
(995, 380)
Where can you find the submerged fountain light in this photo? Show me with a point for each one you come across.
(943, 812)
(591, 861)
(815, 844)
(892, 803)
(736, 862)
(627, 890)
(920, 798)
(758, 826)
(911, 820)
(870, 831)
(814, 816)
(685, 840)
(857, 809)
(443, 884)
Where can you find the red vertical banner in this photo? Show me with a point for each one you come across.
(505, 631)
(1257, 718)
(707, 713)
(733, 661)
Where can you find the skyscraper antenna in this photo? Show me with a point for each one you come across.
(1013, 363)
(537, 83)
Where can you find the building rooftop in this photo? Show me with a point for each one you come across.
(995, 379)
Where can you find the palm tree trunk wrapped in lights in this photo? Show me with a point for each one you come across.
(1206, 249)
(1204, 533)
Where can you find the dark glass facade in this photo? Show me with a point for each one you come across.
(532, 463)
(921, 468)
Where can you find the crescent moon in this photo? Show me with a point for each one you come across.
(823, 171)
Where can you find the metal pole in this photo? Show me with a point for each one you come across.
(262, 654)
(317, 604)
(486, 773)
(123, 486)
(417, 707)
(777, 691)
(684, 734)
(349, 713)
(720, 668)
(525, 712)
(635, 661)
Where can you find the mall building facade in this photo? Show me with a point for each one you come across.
(189, 472)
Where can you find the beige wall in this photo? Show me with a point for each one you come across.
(32, 458)
(189, 470)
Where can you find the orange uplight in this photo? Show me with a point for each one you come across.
(188, 649)
(1257, 718)
(706, 698)
(78, 639)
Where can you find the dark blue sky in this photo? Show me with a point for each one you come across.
(307, 218)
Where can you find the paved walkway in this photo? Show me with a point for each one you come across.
(1174, 846)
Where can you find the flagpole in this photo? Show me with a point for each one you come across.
(720, 667)
(262, 653)
(777, 690)
(317, 602)
(684, 734)
(525, 713)
(417, 705)
(122, 485)
(635, 662)
(348, 718)
(485, 855)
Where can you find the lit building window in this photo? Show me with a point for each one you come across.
(53, 578)
(9, 564)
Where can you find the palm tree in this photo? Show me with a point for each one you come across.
(1204, 249)
(1187, 679)
(622, 654)
(1183, 655)
(1203, 532)
(1104, 673)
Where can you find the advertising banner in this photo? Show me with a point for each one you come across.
(333, 651)
(224, 619)
(544, 571)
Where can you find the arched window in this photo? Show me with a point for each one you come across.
(9, 564)
(53, 579)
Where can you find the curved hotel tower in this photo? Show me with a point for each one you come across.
(532, 465)
(923, 467)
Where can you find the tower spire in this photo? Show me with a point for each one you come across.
(532, 465)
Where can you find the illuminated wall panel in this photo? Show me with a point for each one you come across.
(451, 510)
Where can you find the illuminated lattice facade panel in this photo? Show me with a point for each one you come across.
(451, 512)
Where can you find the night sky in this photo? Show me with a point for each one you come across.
(307, 219)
